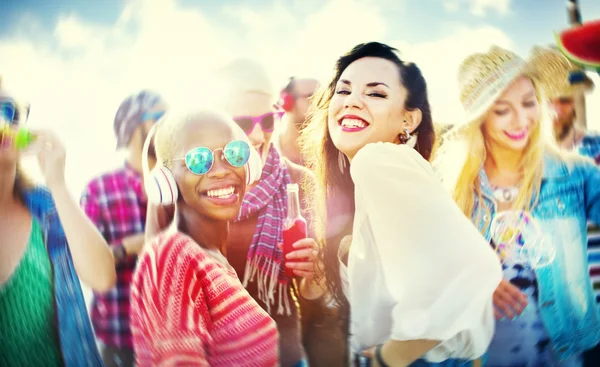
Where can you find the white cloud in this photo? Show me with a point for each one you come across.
(478, 7)
(70, 32)
(439, 61)
(77, 88)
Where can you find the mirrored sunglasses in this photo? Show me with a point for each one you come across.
(201, 159)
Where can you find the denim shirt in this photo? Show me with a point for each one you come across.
(569, 197)
(590, 146)
(78, 346)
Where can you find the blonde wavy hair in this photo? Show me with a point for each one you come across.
(462, 155)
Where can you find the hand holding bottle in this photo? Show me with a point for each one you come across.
(301, 253)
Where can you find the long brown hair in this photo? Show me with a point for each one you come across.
(321, 155)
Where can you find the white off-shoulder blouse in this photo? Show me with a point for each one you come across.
(417, 268)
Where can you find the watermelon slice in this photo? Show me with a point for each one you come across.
(581, 45)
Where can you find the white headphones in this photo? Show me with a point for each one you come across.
(160, 184)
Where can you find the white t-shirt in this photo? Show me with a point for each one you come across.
(417, 268)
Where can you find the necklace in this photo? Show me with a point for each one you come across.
(505, 194)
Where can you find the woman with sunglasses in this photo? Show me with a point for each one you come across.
(47, 246)
(188, 306)
(252, 247)
(418, 278)
(254, 251)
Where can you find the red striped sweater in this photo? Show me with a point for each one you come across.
(187, 308)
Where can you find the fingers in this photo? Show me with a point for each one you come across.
(516, 294)
(45, 141)
(302, 269)
(47, 138)
(509, 300)
(502, 307)
(306, 242)
(307, 249)
(369, 352)
(306, 253)
(304, 266)
(34, 148)
(304, 259)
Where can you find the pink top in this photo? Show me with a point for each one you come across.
(187, 308)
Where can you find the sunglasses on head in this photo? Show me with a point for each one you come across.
(147, 116)
(9, 112)
(201, 159)
(266, 121)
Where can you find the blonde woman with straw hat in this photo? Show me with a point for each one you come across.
(532, 202)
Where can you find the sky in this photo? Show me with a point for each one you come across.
(76, 60)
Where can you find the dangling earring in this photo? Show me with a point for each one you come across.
(341, 162)
(404, 138)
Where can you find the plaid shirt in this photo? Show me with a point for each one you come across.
(116, 203)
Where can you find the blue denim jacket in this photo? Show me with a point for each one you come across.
(569, 197)
(78, 345)
(590, 146)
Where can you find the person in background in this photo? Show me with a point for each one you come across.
(319, 323)
(560, 80)
(188, 305)
(116, 203)
(294, 100)
(47, 246)
(503, 163)
(249, 97)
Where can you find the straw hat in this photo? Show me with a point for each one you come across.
(553, 70)
(482, 78)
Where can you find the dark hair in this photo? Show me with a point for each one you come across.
(321, 155)
(289, 87)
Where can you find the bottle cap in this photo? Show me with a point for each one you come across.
(23, 138)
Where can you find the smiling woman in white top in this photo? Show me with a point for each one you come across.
(419, 277)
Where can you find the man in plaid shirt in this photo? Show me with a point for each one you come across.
(116, 203)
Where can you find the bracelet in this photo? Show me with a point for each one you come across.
(119, 252)
(379, 357)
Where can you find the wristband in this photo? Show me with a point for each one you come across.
(379, 357)
(119, 252)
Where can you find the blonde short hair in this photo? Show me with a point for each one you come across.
(167, 138)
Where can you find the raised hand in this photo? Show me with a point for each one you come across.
(51, 156)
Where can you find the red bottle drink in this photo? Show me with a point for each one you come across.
(294, 226)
